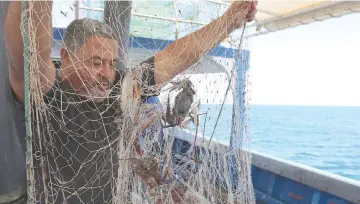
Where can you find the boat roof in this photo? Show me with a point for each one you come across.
(172, 19)
(278, 15)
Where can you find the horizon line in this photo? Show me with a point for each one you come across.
(307, 105)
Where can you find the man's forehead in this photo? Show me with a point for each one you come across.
(101, 41)
(99, 55)
(98, 47)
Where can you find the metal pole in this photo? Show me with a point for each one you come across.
(117, 14)
(176, 21)
(238, 115)
(151, 16)
(77, 9)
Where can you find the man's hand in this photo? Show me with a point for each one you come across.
(239, 13)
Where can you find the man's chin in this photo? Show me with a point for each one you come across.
(96, 96)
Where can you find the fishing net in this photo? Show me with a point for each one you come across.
(137, 142)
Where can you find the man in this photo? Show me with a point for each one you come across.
(80, 96)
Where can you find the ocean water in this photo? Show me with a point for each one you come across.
(327, 138)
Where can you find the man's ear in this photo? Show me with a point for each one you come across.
(64, 54)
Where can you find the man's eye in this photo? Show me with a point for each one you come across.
(96, 64)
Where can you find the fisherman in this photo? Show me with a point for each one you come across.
(82, 84)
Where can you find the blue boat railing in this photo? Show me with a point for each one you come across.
(278, 181)
(291, 182)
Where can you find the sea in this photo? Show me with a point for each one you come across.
(326, 138)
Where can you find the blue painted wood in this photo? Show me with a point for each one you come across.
(262, 198)
(316, 197)
(271, 188)
(236, 137)
(290, 191)
(330, 199)
(264, 180)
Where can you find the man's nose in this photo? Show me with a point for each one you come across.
(107, 70)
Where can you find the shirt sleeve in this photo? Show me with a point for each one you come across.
(17, 110)
(148, 86)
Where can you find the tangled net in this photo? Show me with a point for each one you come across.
(85, 152)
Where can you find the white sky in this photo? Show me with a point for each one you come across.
(316, 64)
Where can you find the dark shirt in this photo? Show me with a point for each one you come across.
(76, 145)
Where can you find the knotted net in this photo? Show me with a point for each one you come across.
(135, 142)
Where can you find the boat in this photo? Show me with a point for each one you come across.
(275, 181)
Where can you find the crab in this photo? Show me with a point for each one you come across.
(184, 107)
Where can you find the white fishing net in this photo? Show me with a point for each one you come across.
(117, 146)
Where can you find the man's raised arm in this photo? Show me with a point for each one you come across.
(186, 51)
(42, 21)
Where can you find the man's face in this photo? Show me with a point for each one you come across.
(91, 70)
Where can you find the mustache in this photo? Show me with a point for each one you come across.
(104, 82)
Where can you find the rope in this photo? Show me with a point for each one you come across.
(29, 159)
(228, 87)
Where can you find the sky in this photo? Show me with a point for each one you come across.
(316, 64)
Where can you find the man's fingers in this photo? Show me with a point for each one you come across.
(251, 15)
(252, 12)
(255, 3)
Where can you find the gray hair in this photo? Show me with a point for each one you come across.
(80, 30)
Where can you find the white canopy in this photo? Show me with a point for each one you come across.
(171, 19)
(279, 15)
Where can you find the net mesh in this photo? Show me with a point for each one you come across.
(101, 139)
